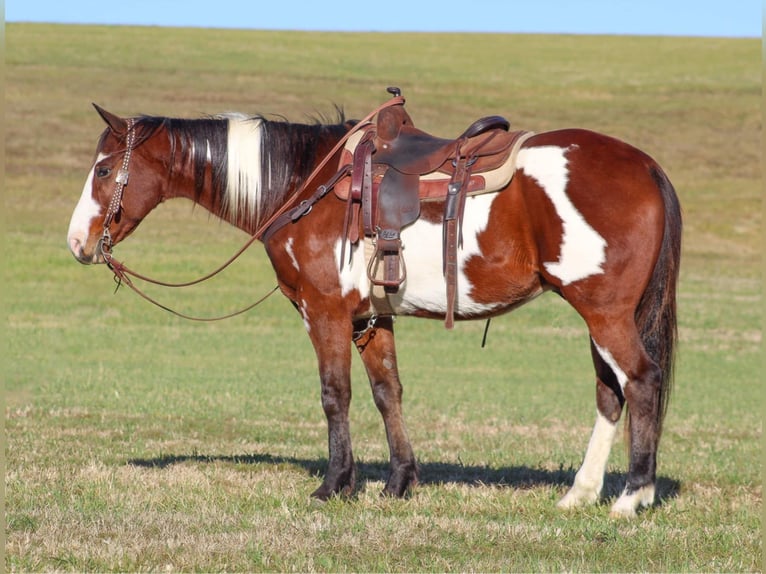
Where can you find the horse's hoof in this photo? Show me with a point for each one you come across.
(325, 492)
(321, 494)
(628, 503)
(399, 485)
(578, 496)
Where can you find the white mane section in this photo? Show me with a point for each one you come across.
(245, 180)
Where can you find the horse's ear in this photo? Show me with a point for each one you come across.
(116, 123)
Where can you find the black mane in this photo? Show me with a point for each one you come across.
(193, 138)
(289, 149)
(291, 154)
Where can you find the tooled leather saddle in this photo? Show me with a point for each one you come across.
(395, 166)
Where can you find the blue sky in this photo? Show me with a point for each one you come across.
(654, 17)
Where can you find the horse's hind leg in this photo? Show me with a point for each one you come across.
(618, 346)
(376, 347)
(642, 393)
(609, 400)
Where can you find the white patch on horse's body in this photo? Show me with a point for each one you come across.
(86, 210)
(583, 251)
(590, 478)
(425, 284)
(305, 314)
(245, 179)
(622, 378)
(353, 275)
(291, 253)
(424, 288)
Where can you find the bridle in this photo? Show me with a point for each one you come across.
(122, 274)
(283, 216)
(120, 181)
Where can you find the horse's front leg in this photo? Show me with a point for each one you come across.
(375, 343)
(330, 335)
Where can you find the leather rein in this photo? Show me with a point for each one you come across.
(284, 215)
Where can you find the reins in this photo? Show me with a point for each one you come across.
(122, 278)
(285, 214)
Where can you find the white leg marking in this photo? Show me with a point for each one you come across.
(291, 253)
(424, 288)
(245, 179)
(627, 504)
(84, 212)
(622, 378)
(583, 251)
(590, 478)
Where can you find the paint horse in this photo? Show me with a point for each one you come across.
(586, 216)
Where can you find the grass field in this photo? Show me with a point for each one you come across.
(140, 442)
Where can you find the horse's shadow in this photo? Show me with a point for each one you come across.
(518, 477)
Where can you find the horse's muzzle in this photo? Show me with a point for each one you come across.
(78, 250)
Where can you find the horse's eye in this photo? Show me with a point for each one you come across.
(103, 171)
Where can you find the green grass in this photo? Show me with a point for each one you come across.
(137, 441)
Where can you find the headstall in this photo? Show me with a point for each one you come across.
(120, 181)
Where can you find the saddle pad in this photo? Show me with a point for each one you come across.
(433, 186)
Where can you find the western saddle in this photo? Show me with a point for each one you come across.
(395, 166)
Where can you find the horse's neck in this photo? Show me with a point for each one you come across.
(251, 197)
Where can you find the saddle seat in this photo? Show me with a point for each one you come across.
(399, 144)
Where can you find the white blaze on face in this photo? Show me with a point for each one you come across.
(86, 210)
(583, 251)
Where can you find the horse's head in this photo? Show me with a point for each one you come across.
(125, 183)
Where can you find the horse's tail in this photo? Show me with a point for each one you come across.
(656, 312)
